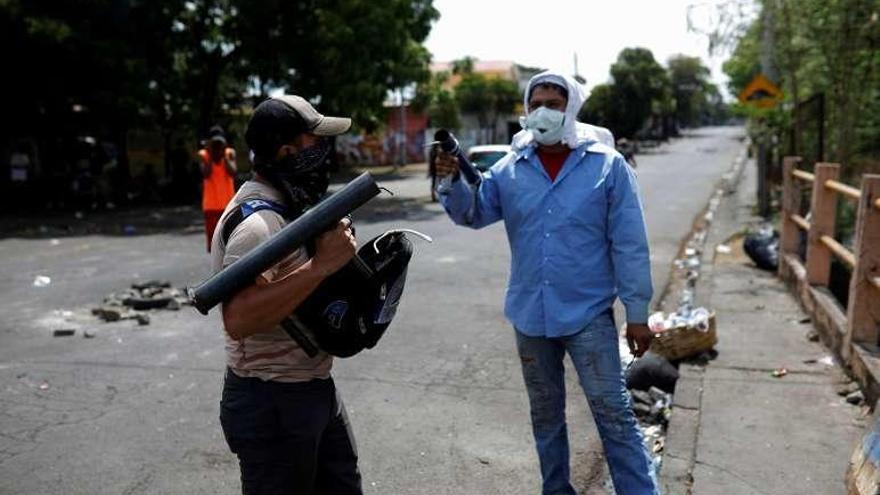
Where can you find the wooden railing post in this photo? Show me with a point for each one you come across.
(823, 211)
(863, 311)
(791, 204)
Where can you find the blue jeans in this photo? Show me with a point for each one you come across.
(596, 357)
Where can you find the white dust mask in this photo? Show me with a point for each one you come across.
(546, 125)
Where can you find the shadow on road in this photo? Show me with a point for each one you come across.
(181, 220)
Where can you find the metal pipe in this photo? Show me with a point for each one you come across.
(842, 253)
(322, 217)
(844, 189)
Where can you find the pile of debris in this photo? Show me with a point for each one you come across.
(652, 408)
(132, 303)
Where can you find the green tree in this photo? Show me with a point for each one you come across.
(180, 66)
(434, 98)
(639, 96)
(827, 47)
(691, 89)
(488, 98)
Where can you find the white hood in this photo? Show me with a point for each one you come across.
(575, 133)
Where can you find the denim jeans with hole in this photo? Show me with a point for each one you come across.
(596, 357)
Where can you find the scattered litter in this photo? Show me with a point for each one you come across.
(813, 335)
(64, 332)
(844, 389)
(44, 385)
(483, 460)
(89, 334)
(54, 242)
(723, 249)
(779, 373)
(827, 361)
(659, 444)
(805, 320)
(142, 319)
(811, 361)
(42, 281)
(855, 398)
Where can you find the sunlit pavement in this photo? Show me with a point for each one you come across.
(438, 407)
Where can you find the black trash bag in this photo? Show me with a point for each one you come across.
(652, 370)
(763, 248)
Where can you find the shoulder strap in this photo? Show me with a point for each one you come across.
(245, 210)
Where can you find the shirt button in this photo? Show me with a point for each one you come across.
(547, 235)
(550, 210)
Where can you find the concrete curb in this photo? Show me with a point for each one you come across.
(679, 452)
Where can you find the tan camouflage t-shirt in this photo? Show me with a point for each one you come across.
(270, 355)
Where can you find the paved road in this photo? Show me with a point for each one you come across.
(438, 407)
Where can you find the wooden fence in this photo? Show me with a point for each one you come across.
(852, 332)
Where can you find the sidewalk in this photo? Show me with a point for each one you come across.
(735, 428)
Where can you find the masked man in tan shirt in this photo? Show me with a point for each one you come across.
(280, 410)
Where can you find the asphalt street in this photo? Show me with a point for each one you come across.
(438, 407)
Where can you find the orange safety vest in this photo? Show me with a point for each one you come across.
(219, 187)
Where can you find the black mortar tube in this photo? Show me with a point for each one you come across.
(315, 221)
(450, 145)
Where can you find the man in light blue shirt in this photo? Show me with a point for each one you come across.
(574, 221)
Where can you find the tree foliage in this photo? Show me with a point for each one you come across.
(489, 98)
(828, 47)
(182, 65)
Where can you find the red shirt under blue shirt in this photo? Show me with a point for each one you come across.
(552, 161)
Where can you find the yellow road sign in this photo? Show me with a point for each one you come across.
(761, 92)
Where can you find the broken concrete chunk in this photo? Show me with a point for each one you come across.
(641, 397)
(108, 313)
(151, 284)
(641, 410)
(141, 303)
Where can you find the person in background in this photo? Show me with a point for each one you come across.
(218, 166)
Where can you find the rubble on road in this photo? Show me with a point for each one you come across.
(130, 304)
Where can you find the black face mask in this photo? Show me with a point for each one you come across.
(301, 177)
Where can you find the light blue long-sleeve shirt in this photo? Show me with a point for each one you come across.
(576, 242)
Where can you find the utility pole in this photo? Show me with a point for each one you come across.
(402, 141)
(763, 139)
